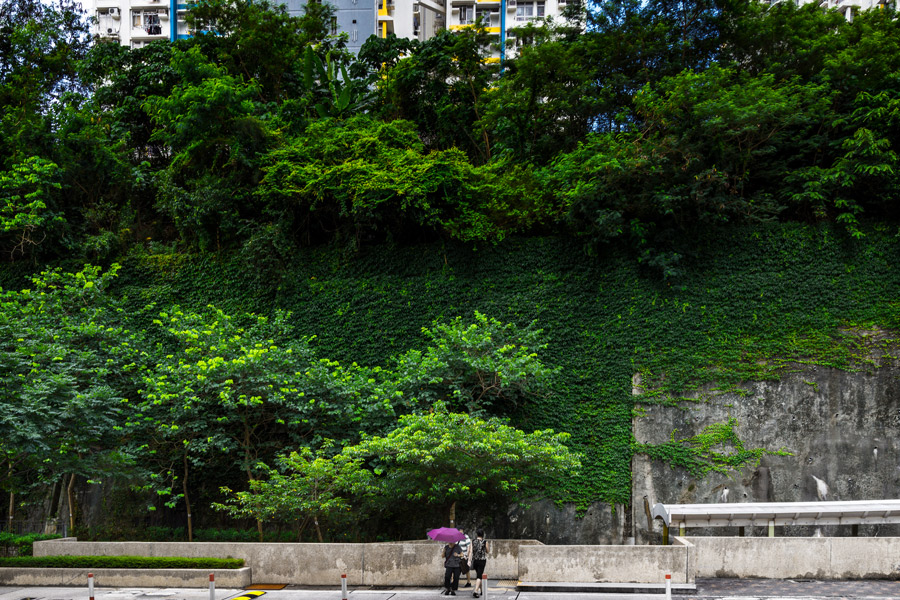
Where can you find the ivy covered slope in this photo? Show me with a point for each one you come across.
(746, 302)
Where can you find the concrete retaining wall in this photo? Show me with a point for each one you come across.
(613, 564)
(179, 578)
(805, 558)
(418, 563)
(402, 563)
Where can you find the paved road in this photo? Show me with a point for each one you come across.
(707, 589)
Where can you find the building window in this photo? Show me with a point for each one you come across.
(334, 27)
(466, 15)
(540, 9)
(485, 16)
(148, 20)
(524, 11)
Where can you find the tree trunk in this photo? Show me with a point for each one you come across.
(318, 531)
(12, 499)
(187, 500)
(302, 527)
(70, 497)
(453, 514)
(250, 479)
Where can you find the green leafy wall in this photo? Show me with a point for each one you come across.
(746, 302)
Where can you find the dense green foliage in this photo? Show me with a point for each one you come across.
(22, 545)
(636, 122)
(120, 562)
(318, 246)
(749, 304)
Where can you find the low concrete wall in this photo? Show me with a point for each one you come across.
(607, 564)
(413, 563)
(180, 578)
(789, 558)
(420, 562)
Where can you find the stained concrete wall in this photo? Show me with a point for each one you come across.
(841, 428)
(180, 578)
(602, 564)
(548, 523)
(791, 558)
(400, 563)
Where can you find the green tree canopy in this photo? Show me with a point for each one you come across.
(442, 457)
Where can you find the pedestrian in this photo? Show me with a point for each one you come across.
(466, 546)
(452, 554)
(480, 551)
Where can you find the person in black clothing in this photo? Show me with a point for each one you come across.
(452, 554)
(480, 551)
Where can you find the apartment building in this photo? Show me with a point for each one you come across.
(137, 22)
(845, 7)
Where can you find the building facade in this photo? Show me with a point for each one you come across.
(134, 23)
(845, 7)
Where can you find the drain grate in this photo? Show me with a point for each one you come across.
(507, 583)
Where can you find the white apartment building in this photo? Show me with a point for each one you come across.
(134, 23)
(845, 7)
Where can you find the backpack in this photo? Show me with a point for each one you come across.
(478, 550)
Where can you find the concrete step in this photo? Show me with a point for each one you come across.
(605, 588)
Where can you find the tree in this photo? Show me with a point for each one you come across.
(479, 367)
(212, 125)
(262, 43)
(313, 487)
(545, 102)
(242, 389)
(24, 197)
(361, 180)
(441, 457)
(438, 86)
(707, 149)
(69, 369)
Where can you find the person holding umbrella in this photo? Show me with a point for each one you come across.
(452, 555)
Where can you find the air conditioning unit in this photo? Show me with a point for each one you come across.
(415, 9)
(511, 4)
(114, 13)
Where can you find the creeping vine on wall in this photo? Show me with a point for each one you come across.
(749, 304)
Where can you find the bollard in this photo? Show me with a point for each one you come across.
(91, 586)
(212, 586)
(484, 585)
(344, 586)
(668, 587)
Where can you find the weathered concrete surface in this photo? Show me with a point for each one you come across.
(400, 563)
(544, 521)
(190, 578)
(601, 564)
(840, 427)
(797, 558)
(304, 564)
(420, 562)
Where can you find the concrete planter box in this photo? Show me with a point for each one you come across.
(416, 563)
(176, 578)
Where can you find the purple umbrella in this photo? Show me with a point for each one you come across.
(446, 534)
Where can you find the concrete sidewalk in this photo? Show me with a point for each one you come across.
(707, 589)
